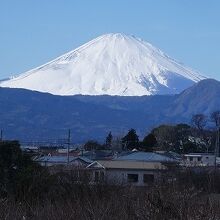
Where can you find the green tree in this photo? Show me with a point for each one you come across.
(92, 145)
(108, 140)
(178, 138)
(149, 142)
(165, 135)
(130, 140)
(16, 169)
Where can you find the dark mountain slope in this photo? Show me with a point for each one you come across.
(29, 115)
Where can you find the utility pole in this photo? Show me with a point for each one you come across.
(217, 141)
(68, 147)
(1, 135)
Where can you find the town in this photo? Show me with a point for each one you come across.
(131, 161)
(44, 173)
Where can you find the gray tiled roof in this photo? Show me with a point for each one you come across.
(146, 156)
(61, 159)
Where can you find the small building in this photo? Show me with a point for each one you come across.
(198, 159)
(64, 151)
(136, 168)
(98, 154)
(63, 160)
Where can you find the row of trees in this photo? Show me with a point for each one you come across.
(128, 142)
(200, 121)
(200, 136)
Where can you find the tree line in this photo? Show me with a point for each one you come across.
(198, 136)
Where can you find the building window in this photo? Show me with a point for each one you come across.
(132, 178)
(191, 158)
(199, 158)
(148, 178)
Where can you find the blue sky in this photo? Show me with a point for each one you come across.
(34, 32)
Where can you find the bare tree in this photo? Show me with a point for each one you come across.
(116, 143)
(215, 117)
(199, 121)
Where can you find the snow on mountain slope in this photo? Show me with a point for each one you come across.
(112, 64)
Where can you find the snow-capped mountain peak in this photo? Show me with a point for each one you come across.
(112, 64)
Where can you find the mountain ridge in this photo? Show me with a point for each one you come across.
(26, 114)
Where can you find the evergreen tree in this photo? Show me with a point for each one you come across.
(130, 140)
(108, 141)
(149, 142)
(17, 170)
(92, 145)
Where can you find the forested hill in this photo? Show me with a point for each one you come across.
(29, 115)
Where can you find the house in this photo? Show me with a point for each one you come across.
(29, 149)
(136, 168)
(64, 151)
(63, 160)
(98, 154)
(198, 159)
(171, 154)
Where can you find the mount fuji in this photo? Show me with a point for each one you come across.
(112, 64)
